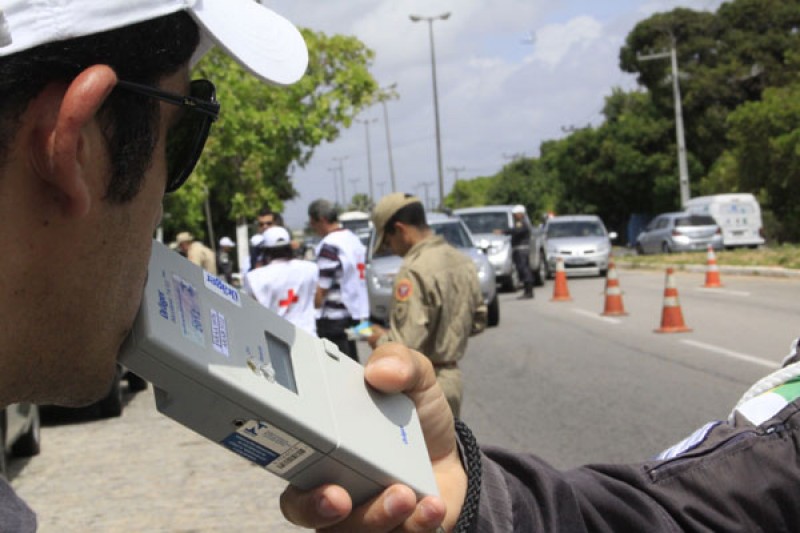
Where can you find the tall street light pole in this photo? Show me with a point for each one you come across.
(683, 167)
(366, 123)
(388, 91)
(335, 172)
(430, 20)
(340, 160)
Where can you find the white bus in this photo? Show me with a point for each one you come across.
(737, 214)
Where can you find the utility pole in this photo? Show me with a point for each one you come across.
(430, 20)
(683, 167)
(354, 181)
(426, 185)
(340, 160)
(380, 186)
(455, 171)
(335, 172)
(388, 92)
(366, 123)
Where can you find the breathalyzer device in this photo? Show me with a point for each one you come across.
(235, 372)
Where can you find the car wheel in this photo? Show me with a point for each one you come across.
(639, 249)
(30, 443)
(135, 383)
(665, 248)
(549, 274)
(111, 405)
(494, 312)
(540, 274)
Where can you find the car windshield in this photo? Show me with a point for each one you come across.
(574, 228)
(694, 220)
(452, 231)
(485, 222)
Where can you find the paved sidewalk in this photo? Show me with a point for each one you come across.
(144, 472)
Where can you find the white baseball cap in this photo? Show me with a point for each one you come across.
(261, 41)
(226, 241)
(276, 236)
(518, 209)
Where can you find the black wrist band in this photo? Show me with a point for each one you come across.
(471, 459)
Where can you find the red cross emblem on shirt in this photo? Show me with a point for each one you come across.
(361, 267)
(290, 299)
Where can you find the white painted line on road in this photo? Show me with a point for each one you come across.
(724, 291)
(730, 353)
(597, 316)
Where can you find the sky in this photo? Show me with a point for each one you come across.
(510, 74)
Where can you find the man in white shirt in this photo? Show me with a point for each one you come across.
(285, 285)
(342, 292)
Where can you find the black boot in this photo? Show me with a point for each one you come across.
(528, 293)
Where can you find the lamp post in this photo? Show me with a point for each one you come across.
(335, 172)
(430, 20)
(683, 167)
(366, 122)
(388, 92)
(340, 160)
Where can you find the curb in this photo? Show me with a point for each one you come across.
(771, 272)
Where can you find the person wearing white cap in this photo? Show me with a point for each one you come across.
(196, 252)
(520, 233)
(285, 285)
(225, 258)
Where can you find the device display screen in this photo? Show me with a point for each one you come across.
(281, 359)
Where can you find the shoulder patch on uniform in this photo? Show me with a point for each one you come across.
(403, 290)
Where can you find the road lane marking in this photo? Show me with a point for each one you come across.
(724, 291)
(730, 353)
(597, 316)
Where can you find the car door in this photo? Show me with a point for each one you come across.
(648, 237)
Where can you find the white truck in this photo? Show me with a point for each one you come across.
(737, 214)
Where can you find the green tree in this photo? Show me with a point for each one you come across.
(265, 132)
(360, 202)
(467, 193)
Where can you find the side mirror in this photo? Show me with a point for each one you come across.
(612, 235)
(483, 245)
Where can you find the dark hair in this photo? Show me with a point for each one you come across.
(323, 210)
(411, 215)
(265, 211)
(143, 52)
(279, 252)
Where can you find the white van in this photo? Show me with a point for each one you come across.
(738, 216)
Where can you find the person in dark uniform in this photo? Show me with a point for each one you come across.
(520, 234)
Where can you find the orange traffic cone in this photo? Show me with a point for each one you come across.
(613, 306)
(712, 270)
(560, 290)
(671, 316)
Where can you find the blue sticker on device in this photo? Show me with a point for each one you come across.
(190, 315)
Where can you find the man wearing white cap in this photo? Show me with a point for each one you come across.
(285, 285)
(520, 234)
(225, 258)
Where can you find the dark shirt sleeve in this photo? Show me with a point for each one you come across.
(520, 234)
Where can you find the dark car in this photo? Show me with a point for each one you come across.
(19, 432)
(679, 232)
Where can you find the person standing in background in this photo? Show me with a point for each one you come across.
(437, 302)
(285, 285)
(197, 252)
(225, 259)
(342, 291)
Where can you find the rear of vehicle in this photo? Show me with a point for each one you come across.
(679, 232)
(738, 215)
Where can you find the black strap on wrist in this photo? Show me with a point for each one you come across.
(471, 459)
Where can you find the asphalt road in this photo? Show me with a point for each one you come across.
(554, 378)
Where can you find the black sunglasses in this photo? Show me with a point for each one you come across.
(188, 135)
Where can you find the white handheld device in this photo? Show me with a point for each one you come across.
(237, 373)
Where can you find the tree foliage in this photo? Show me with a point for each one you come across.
(265, 132)
(740, 89)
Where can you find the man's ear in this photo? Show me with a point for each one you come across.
(69, 157)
